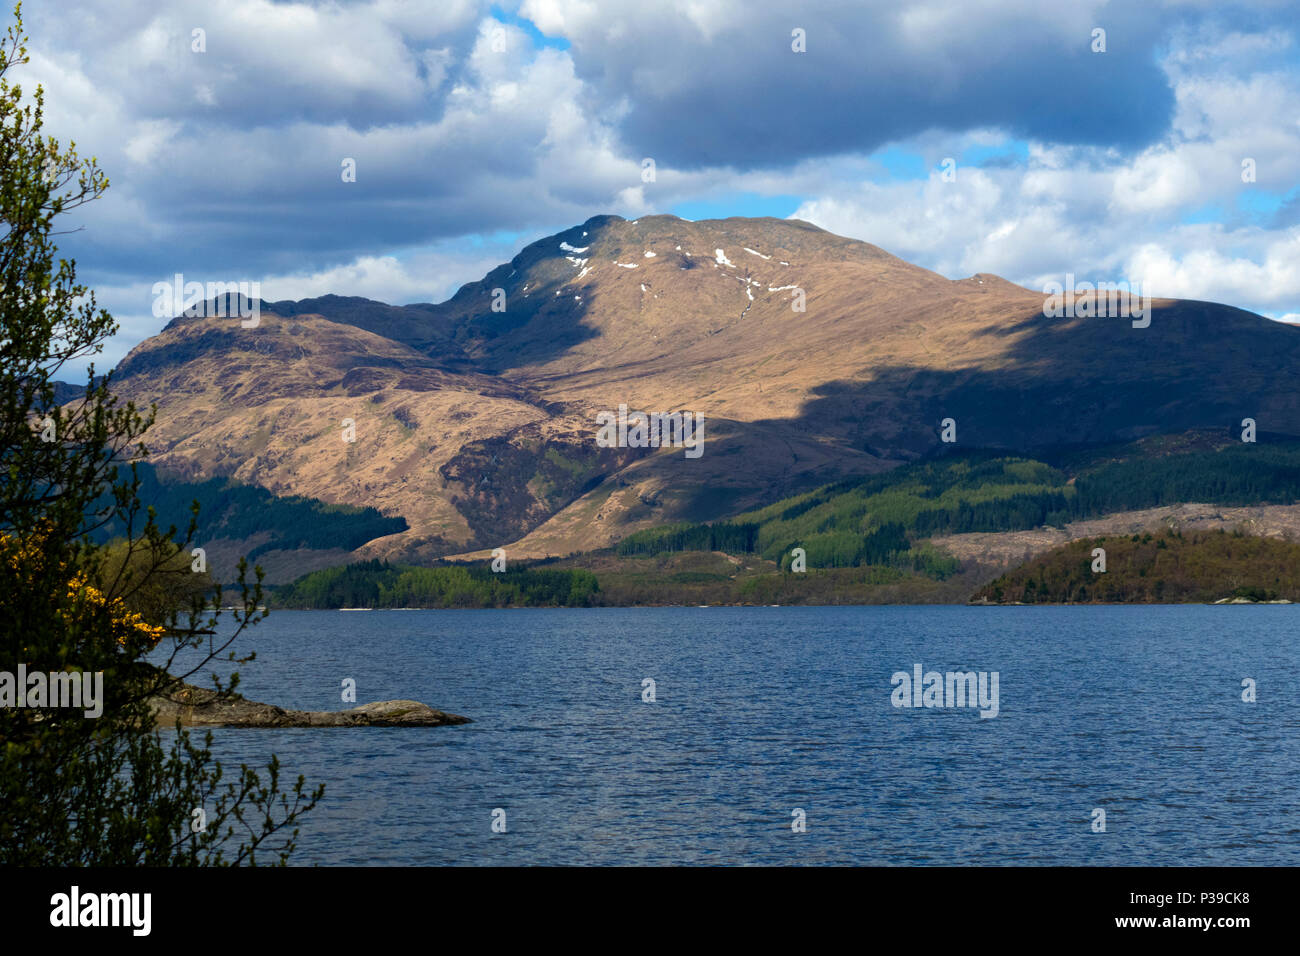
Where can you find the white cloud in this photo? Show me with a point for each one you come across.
(1104, 214)
(150, 138)
(228, 161)
(425, 276)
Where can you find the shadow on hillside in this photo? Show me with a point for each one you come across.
(1080, 381)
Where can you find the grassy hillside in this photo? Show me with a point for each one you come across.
(1166, 568)
(865, 539)
(879, 520)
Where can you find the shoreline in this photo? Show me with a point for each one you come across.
(1222, 602)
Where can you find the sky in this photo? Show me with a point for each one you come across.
(966, 136)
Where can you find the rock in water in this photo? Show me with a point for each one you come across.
(196, 707)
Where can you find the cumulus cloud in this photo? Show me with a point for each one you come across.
(463, 120)
(712, 82)
(1112, 215)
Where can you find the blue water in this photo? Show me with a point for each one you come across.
(1134, 710)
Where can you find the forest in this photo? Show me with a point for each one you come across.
(879, 520)
(381, 584)
(1167, 568)
(234, 511)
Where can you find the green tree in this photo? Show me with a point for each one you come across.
(111, 790)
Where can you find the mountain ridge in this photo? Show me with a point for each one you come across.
(477, 426)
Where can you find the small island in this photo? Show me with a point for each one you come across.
(196, 707)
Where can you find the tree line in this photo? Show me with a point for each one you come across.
(237, 512)
(380, 584)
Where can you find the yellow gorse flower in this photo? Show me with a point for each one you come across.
(124, 624)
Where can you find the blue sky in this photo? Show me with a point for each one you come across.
(478, 127)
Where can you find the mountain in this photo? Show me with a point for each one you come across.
(478, 426)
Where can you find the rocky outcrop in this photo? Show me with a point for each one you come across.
(196, 707)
